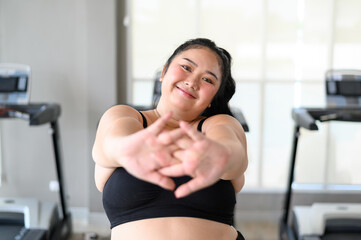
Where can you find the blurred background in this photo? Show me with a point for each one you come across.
(89, 55)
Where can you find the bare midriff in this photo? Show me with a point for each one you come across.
(175, 228)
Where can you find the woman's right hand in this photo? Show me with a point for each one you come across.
(143, 153)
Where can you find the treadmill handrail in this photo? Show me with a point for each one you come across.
(37, 114)
(303, 119)
(307, 117)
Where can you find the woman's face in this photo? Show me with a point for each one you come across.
(192, 80)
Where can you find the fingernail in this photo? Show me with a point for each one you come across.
(177, 194)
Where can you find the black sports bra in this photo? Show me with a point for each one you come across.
(127, 198)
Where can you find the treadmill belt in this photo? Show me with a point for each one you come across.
(342, 225)
(18, 232)
(9, 231)
(342, 236)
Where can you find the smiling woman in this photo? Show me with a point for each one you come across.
(192, 75)
(173, 172)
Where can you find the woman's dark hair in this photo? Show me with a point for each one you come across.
(219, 104)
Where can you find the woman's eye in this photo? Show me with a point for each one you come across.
(186, 67)
(207, 80)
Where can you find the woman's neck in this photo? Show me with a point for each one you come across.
(176, 117)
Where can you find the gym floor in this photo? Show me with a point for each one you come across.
(259, 230)
(251, 231)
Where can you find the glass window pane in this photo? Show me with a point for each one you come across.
(311, 156)
(347, 52)
(158, 27)
(348, 21)
(347, 56)
(316, 33)
(236, 25)
(312, 94)
(278, 128)
(247, 99)
(143, 93)
(282, 25)
(312, 145)
(344, 153)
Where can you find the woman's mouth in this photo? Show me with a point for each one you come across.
(185, 93)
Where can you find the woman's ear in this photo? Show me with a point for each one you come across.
(163, 72)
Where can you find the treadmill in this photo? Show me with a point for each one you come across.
(326, 221)
(29, 218)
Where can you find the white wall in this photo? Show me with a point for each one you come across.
(70, 46)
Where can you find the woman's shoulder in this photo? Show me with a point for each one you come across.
(119, 111)
(121, 108)
(222, 119)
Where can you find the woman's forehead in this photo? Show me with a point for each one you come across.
(202, 55)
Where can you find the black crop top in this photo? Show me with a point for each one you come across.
(127, 198)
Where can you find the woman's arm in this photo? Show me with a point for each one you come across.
(110, 128)
(101, 176)
(228, 132)
(117, 122)
(121, 141)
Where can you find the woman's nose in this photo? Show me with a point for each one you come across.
(192, 82)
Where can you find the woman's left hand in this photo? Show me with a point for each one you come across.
(202, 158)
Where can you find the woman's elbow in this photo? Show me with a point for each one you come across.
(99, 186)
(238, 183)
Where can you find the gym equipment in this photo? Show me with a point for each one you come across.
(343, 88)
(14, 83)
(28, 218)
(325, 221)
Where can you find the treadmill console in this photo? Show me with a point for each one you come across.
(14, 83)
(343, 88)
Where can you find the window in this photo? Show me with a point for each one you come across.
(281, 51)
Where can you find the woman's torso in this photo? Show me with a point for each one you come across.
(145, 211)
(174, 228)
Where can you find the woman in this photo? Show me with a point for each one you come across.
(173, 172)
